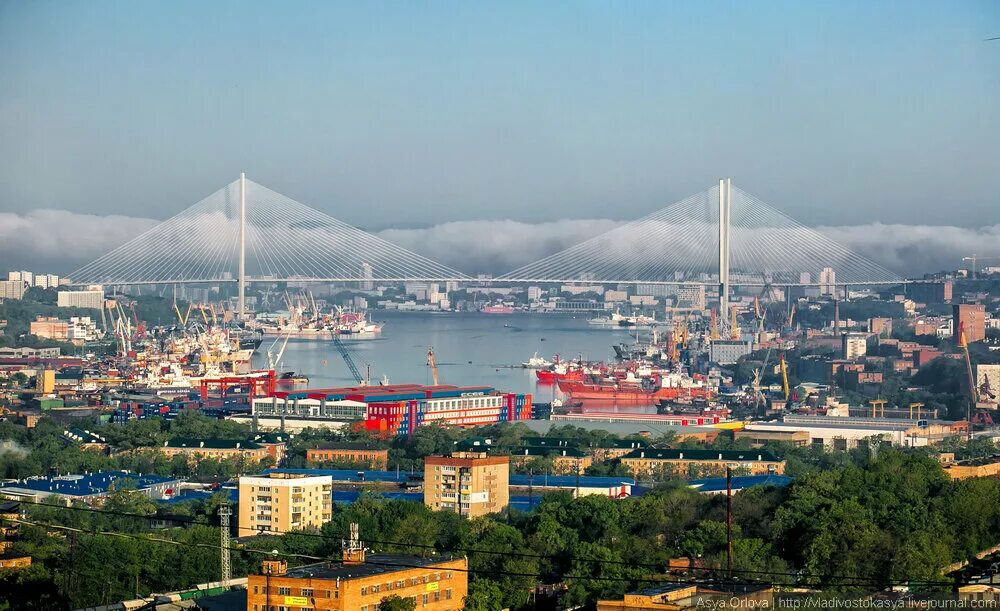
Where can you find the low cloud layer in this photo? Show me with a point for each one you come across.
(60, 241)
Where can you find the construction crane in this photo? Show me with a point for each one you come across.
(976, 258)
(432, 364)
(346, 355)
(963, 343)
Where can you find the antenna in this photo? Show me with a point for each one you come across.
(227, 570)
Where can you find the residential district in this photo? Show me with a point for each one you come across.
(802, 440)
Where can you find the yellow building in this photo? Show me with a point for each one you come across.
(981, 467)
(565, 460)
(196, 449)
(360, 582)
(759, 438)
(469, 483)
(280, 502)
(701, 463)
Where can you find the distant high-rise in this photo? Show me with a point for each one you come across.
(368, 273)
(971, 317)
(828, 281)
(805, 278)
(930, 292)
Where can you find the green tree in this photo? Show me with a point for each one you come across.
(484, 595)
(395, 602)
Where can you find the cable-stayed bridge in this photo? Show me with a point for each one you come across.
(247, 232)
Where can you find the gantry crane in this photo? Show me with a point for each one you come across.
(346, 355)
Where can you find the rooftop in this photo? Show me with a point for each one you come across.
(348, 445)
(374, 564)
(683, 454)
(718, 484)
(85, 485)
(212, 444)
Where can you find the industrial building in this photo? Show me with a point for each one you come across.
(91, 487)
(360, 581)
(396, 409)
(728, 351)
(846, 432)
(471, 484)
(279, 502)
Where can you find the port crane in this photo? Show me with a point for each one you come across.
(432, 364)
(346, 355)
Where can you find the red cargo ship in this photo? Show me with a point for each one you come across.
(637, 391)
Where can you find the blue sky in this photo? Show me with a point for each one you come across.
(407, 113)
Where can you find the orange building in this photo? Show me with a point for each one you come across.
(360, 582)
(360, 453)
(15, 563)
(49, 327)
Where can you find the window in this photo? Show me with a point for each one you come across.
(376, 588)
(425, 599)
(307, 592)
(364, 591)
(284, 591)
(447, 594)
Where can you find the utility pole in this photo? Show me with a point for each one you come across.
(243, 245)
(227, 570)
(729, 522)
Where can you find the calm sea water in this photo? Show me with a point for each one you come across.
(470, 348)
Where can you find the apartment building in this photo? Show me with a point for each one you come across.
(469, 483)
(93, 299)
(702, 463)
(281, 502)
(222, 449)
(360, 582)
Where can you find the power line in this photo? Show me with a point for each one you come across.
(689, 581)
(658, 566)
